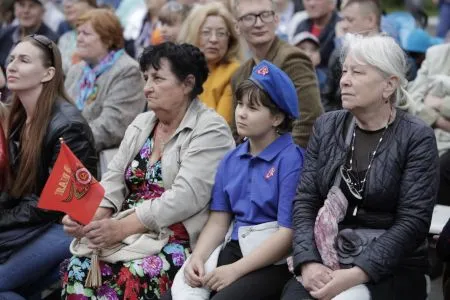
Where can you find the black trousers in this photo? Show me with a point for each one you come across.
(446, 282)
(263, 284)
(444, 185)
(295, 291)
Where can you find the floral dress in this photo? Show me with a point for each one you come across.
(147, 278)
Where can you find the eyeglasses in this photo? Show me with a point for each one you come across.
(220, 34)
(72, 1)
(46, 42)
(250, 19)
(346, 175)
(174, 6)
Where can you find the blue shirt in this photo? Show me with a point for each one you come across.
(259, 189)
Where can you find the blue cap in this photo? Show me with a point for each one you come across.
(418, 40)
(278, 85)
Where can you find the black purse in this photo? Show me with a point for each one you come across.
(350, 243)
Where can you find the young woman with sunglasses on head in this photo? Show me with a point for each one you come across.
(387, 164)
(40, 114)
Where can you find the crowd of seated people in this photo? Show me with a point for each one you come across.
(255, 142)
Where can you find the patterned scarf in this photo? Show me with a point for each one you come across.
(326, 229)
(88, 88)
(326, 226)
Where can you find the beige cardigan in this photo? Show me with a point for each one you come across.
(120, 98)
(189, 162)
(434, 78)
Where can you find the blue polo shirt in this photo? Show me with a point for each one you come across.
(259, 189)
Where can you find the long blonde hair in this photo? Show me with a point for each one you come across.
(24, 179)
(189, 32)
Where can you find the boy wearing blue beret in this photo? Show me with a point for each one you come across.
(254, 188)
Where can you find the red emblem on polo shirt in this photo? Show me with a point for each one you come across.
(270, 173)
(263, 71)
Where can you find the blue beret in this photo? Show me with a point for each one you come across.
(278, 86)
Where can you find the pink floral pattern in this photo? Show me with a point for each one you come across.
(152, 265)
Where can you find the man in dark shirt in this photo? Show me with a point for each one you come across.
(321, 22)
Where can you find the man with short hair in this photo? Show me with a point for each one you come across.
(358, 16)
(256, 23)
(361, 16)
(30, 15)
(321, 22)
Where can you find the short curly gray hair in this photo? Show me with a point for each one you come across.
(383, 53)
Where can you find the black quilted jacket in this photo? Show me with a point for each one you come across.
(67, 123)
(399, 195)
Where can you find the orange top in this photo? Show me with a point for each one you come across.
(217, 92)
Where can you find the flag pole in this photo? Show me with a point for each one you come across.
(68, 165)
(94, 276)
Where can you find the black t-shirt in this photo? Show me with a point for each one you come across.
(365, 144)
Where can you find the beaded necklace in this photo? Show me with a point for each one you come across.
(356, 188)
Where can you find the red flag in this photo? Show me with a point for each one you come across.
(70, 188)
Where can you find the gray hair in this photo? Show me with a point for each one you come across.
(383, 53)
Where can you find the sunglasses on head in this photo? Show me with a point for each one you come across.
(46, 42)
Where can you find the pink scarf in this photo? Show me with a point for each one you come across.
(329, 216)
(326, 226)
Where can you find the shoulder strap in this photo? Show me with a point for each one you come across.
(348, 139)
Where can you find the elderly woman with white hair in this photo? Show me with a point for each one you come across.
(370, 179)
